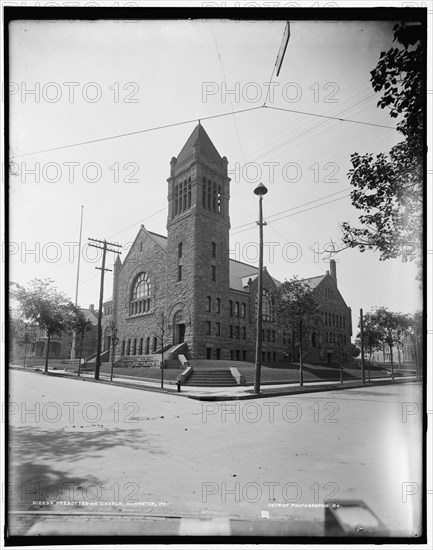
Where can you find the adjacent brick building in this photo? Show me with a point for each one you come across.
(186, 288)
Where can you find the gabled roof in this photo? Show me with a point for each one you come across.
(207, 148)
(240, 273)
(313, 282)
(160, 239)
(89, 315)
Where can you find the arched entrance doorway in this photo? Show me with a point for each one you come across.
(178, 328)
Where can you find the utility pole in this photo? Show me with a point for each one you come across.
(361, 322)
(260, 190)
(101, 295)
(74, 334)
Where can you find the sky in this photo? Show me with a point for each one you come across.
(78, 81)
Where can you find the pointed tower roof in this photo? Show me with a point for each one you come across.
(207, 148)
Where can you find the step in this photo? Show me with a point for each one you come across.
(211, 378)
(210, 385)
(216, 376)
(198, 377)
(210, 372)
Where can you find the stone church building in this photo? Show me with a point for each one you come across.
(183, 291)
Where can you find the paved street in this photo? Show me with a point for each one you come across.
(77, 446)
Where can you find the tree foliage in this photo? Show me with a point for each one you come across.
(21, 334)
(389, 328)
(353, 350)
(372, 334)
(297, 312)
(414, 330)
(41, 303)
(388, 188)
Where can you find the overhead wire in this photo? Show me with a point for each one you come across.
(341, 119)
(164, 126)
(323, 270)
(304, 123)
(152, 129)
(293, 208)
(303, 132)
(294, 213)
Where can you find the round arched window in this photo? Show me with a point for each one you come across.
(140, 295)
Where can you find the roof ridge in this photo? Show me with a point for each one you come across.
(243, 263)
(314, 277)
(157, 234)
(208, 149)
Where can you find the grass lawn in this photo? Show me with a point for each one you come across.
(270, 372)
(143, 372)
(282, 372)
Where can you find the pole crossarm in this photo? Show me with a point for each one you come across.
(104, 242)
(107, 249)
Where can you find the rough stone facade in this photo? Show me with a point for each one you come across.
(186, 286)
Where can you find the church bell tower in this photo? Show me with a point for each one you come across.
(198, 243)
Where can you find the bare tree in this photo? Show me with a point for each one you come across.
(114, 342)
(80, 325)
(162, 322)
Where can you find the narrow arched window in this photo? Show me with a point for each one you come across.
(236, 309)
(189, 193)
(204, 193)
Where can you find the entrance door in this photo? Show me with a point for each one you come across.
(180, 333)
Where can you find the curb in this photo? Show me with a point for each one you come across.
(300, 390)
(297, 390)
(106, 382)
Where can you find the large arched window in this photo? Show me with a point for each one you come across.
(267, 306)
(140, 295)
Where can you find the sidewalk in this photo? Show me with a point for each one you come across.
(224, 393)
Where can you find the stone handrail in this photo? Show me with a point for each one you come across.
(183, 360)
(184, 375)
(240, 378)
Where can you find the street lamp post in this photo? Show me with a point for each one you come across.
(260, 190)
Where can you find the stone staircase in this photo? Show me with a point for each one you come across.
(90, 362)
(210, 378)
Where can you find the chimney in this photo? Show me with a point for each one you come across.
(333, 267)
(92, 308)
